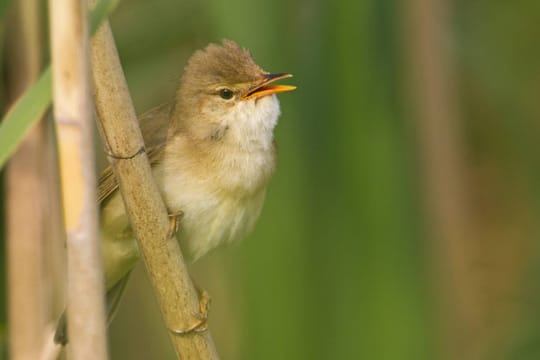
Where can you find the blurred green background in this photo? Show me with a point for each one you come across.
(403, 220)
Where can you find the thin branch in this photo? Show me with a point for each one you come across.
(73, 115)
(172, 284)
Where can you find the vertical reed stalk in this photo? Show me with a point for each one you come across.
(73, 116)
(25, 190)
(436, 109)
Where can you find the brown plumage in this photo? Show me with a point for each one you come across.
(212, 154)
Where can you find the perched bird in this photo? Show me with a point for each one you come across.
(212, 154)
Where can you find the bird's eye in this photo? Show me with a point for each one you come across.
(226, 94)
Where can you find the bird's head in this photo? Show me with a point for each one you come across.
(223, 91)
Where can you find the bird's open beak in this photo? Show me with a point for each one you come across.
(264, 89)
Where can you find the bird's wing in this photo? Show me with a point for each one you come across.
(154, 128)
(107, 184)
(107, 181)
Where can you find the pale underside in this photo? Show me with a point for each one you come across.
(220, 193)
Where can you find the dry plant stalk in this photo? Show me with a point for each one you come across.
(24, 194)
(73, 115)
(25, 191)
(165, 266)
(437, 111)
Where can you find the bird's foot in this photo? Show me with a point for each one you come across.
(174, 223)
(201, 323)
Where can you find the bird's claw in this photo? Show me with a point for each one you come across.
(201, 323)
(174, 223)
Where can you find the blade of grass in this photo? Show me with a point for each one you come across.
(24, 114)
(31, 106)
(100, 13)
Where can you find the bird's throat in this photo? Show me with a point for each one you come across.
(250, 124)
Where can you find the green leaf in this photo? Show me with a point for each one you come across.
(100, 12)
(31, 106)
(24, 114)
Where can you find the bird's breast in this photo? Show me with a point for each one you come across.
(245, 173)
(221, 197)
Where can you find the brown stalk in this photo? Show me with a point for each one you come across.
(25, 189)
(165, 266)
(432, 76)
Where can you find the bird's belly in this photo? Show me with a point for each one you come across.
(220, 201)
(211, 220)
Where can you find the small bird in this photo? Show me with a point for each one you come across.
(212, 154)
